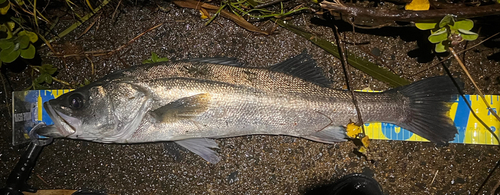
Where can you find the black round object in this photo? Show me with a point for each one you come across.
(355, 184)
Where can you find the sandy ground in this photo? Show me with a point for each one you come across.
(250, 164)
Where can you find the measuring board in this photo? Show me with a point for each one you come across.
(28, 111)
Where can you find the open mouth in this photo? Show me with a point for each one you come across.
(66, 125)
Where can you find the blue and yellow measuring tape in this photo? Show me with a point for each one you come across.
(470, 130)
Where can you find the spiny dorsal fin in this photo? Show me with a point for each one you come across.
(217, 60)
(184, 108)
(304, 67)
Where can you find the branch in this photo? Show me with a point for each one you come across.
(407, 16)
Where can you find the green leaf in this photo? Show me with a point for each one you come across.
(440, 47)
(2, 1)
(4, 7)
(47, 78)
(38, 79)
(9, 55)
(37, 86)
(162, 60)
(86, 82)
(154, 57)
(438, 36)
(24, 41)
(439, 31)
(469, 37)
(6, 43)
(33, 37)
(28, 53)
(447, 20)
(462, 31)
(147, 61)
(44, 78)
(426, 26)
(47, 68)
(463, 24)
(11, 25)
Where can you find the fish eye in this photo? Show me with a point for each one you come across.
(76, 101)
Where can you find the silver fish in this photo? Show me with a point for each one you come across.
(191, 101)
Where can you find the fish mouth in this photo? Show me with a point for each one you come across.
(66, 125)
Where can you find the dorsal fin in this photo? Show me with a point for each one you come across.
(217, 60)
(304, 67)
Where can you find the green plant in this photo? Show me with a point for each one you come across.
(15, 40)
(448, 32)
(85, 82)
(20, 44)
(154, 58)
(44, 77)
(241, 8)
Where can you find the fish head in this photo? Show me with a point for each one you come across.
(97, 112)
(80, 113)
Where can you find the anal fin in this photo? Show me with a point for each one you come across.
(329, 135)
(201, 147)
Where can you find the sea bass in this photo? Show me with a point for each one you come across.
(192, 101)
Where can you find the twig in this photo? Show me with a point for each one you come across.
(343, 58)
(408, 16)
(30, 13)
(488, 177)
(495, 188)
(268, 4)
(61, 81)
(435, 174)
(135, 38)
(116, 9)
(86, 53)
(78, 23)
(6, 95)
(42, 179)
(91, 65)
(212, 8)
(108, 52)
(88, 28)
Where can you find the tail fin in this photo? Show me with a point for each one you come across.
(430, 101)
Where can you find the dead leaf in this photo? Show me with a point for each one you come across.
(418, 5)
(204, 14)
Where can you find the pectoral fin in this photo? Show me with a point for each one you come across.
(201, 146)
(183, 108)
